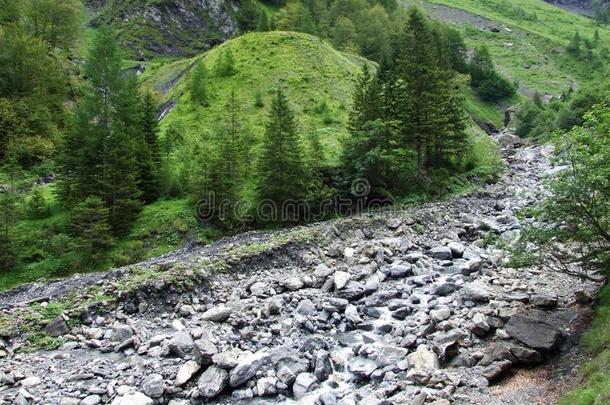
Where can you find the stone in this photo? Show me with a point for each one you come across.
(533, 332)
(526, 356)
(351, 314)
(219, 313)
(121, 332)
(266, 386)
(441, 253)
(30, 382)
(206, 350)
(497, 352)
(423, 358)
(186, 372)
(322, 365)
(91, 400)
(480, 326)
(153, 386)
(228, 359)
(444, 289)
(183, 346)
(447, 344)
(247, 367)
(477, 291)
(341, 279)
(361, 367)
(393, 223)
(401, 270)
(390, 355)
(306, 307)
(496, 370)
(259, 289)
(457, 249)
(136, 398)
(544, 300)
(212, 382)
(304, 383)
(440, 314)
(57, 327)
(293, 283)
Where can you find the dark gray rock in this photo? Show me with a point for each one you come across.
(533, 332)
(57, 327)
(247, 367)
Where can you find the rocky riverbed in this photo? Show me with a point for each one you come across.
(411, 306)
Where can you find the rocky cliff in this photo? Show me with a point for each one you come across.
(167, 27)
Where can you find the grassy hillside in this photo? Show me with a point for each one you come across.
(319, 79)
(527, 39)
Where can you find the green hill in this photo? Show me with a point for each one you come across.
(527, 39)
(319, 80)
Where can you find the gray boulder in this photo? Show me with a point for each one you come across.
(219, 313)
(247, 367)
(533, 332)
(212, 382)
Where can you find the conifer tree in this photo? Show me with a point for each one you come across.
(574, 45)
(426, 86)
(99, 153)
(198, 85)
(264, 22)
(225, 63)
(367, 103)
(89, 225)
(224, 169)
(281, 169)
(149, 156)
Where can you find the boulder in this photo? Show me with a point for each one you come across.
(183, 346)
(544, 300)
(153, 386)
(304, 383)
(293, 283)
(441, 253)
(423, 358)
(57, 327)
(219, 313)
(136, 398)
(247, 367)
(212, 382)
(496, 370)
(533, 332)
(390, 355)
(306, 307)
(341, 279)
(266, 386)
(477, 291)
(186, 372)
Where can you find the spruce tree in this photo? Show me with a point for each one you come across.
(224, 168)
(264, 22)
(149, 154)
(367, 103)
(281, 170)
(90, 227)
(225, 63)
(198, 85)
(426, 87)
(574, 45)
(99, 153)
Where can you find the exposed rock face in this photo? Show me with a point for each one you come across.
(378, 313)
(168, 28)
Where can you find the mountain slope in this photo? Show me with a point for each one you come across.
(527, 39)
(166, 28)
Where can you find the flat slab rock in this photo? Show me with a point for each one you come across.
(533, 332)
